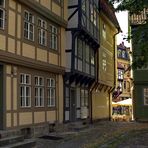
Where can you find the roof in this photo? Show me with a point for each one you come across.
(119, 65)
(121, 46)
(109, 11)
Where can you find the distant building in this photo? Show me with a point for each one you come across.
(124, 81)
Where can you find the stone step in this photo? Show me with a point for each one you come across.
(9, 133)
(27, 143)
(78, 126)
(11, 140)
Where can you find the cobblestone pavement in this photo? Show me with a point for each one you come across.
(104, 134)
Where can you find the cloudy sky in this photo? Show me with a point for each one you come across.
(123, 21)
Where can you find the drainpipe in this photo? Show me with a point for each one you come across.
(115, 69)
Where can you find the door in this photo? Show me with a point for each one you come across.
(72, 105)
(1, 97)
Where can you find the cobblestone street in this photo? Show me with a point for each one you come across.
(103, 134)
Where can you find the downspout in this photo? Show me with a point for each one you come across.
(115, 70)
(114, 37)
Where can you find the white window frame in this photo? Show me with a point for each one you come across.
(145, 94)
(27, 26)
(24, 84)
(120, 74)
(53, 37)
(42, 32)
(51, 99)
(39, 87)
(2, 20)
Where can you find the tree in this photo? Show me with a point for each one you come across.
(133, 6)
(139, 34)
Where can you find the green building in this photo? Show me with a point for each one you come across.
(140, 75)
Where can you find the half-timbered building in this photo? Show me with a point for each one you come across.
(32, 63)
(106, 70)
(81, 54)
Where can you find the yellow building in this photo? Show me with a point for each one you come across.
(32, 63)
(102, 90)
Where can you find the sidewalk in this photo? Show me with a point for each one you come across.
(101, 134)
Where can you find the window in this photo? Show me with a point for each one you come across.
(104, 31)
(2, 3)
(42, 33)
(25, 90)
(145, 96)
(123, 54)
(119, 53)
(124, 85)
(39, 91)
(80, 54)
(28, 25)
(120, 74)
(120, 86)
(84, 97)
(51, 92)
(67, 98)
(104, 62)
(87, 60)
(2, 14)
(53, 37)
(92, 62)
(84, 57)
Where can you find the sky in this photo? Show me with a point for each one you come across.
(123, 21)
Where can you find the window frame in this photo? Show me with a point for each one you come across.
(40, 97)
(4, 2)
(25, 85)
(84, 57)
(27, 23)
(49, 89)
(120, 74)
(2, 20)
(53, 37)
(42, 32)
